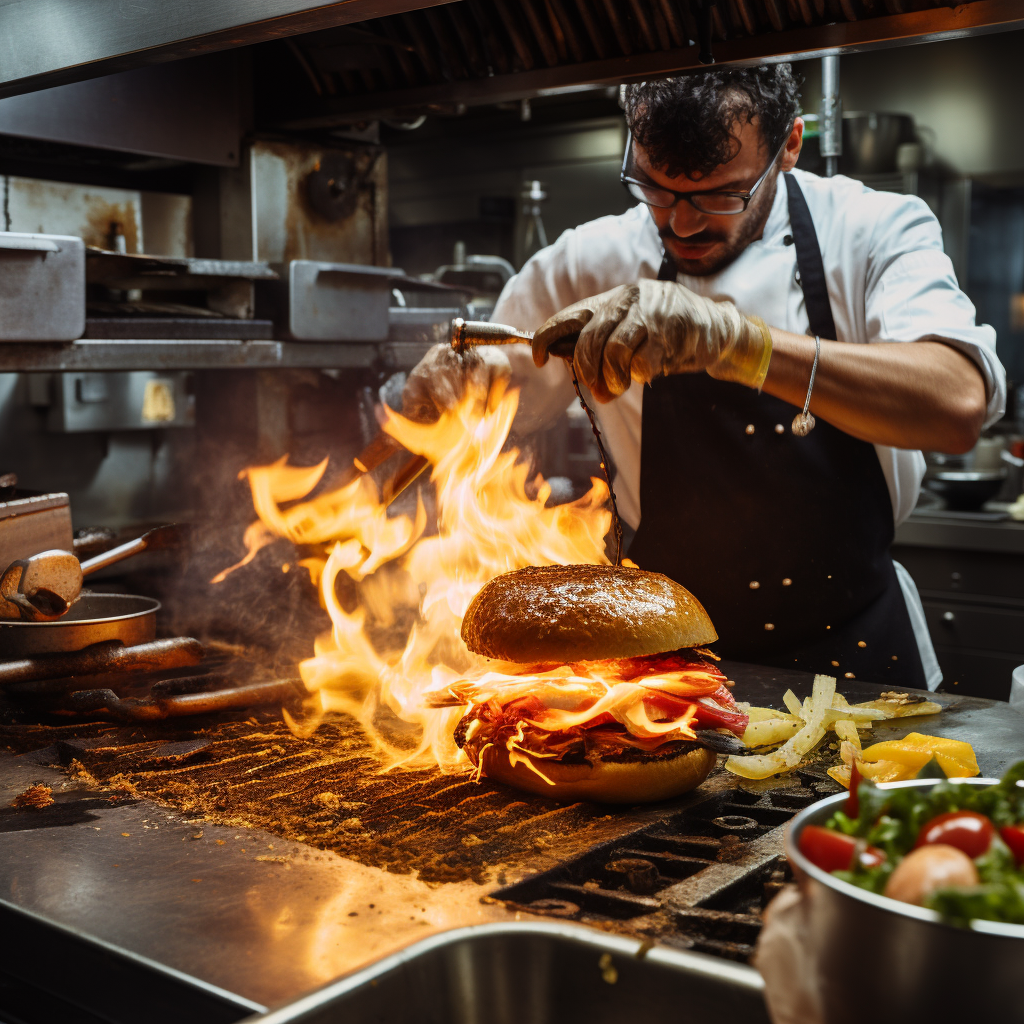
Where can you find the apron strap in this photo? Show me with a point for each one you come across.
(808, 260)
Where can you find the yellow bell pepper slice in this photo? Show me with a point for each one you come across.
(955, 757)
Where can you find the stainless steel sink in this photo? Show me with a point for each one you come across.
(534, 974)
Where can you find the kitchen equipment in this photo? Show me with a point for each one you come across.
(124, 287)
(894, 962)
(968, 489)
(44, 586)
(23, 675)
(871, 141)
(30, 523)
(470, 333)
(345, 301)
(42, 287)
(532, 973)
(93, 617)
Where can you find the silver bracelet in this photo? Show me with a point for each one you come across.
(803, 422)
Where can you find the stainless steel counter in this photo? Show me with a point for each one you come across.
(242, 919)
(95, 355)
(931, 531)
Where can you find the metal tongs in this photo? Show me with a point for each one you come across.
(464, 334)
(44, 586)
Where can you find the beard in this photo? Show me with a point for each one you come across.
(729, 245)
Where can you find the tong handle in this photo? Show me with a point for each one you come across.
(470, 333)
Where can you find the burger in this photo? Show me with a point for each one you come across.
(601, 688)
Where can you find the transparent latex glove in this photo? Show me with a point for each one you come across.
(442, 377)
(653, 329)
(785, 958)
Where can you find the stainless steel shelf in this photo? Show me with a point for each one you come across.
(98, 355)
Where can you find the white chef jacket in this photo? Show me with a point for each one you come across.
(888, 280)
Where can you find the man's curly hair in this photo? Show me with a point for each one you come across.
(687, 125)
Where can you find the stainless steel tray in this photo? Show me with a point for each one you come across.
(534, 974)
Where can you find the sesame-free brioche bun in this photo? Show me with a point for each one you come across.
(583, 613)
(633, 779)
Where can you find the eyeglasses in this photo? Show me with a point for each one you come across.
(720, 204)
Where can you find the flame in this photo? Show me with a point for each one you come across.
(491, 518)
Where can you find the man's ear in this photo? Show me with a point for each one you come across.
(793, 145)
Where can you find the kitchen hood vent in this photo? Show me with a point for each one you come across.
(490, 51)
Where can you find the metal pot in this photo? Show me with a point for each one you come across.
(870, 141)
(966, 490)
(92, 618)
(891, 962)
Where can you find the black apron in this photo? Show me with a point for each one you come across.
(784, 539)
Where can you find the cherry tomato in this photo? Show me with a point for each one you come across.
(1013, 836)
(966, 830)
(833, 851)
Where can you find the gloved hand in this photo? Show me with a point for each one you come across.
(652, 329)
(442, 377)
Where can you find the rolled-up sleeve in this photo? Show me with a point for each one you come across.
(913, 295)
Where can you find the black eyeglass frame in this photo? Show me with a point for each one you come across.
(689, 197)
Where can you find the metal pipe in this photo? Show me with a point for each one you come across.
(830, 126)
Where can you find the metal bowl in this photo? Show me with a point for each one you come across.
(966, 490)
(891, 962)
(92, 618)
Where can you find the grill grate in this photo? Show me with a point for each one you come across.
(699, 879)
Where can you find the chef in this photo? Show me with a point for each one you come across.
(769, 352)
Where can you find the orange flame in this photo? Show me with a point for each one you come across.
(409, 700)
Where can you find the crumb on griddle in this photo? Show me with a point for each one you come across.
(37, 796)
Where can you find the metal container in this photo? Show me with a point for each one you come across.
(33, 523)
(891, 962)
(966, 490)
(92, 618)
(535, 974)
(42, 287)
(870, 141)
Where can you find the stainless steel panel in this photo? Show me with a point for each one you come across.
(338, 301)
(143, 400)
(42, 287)
(48, 42)
(535, 974)
(188, 110)
(31, 525)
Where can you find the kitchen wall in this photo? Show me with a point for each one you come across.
(964, 95)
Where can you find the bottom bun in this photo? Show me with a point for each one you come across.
(643, 779)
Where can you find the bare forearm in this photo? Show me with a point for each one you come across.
(919, 395)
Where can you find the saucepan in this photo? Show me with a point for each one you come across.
(92, 619)
(891, 962)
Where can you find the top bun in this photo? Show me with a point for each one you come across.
(583, 613)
